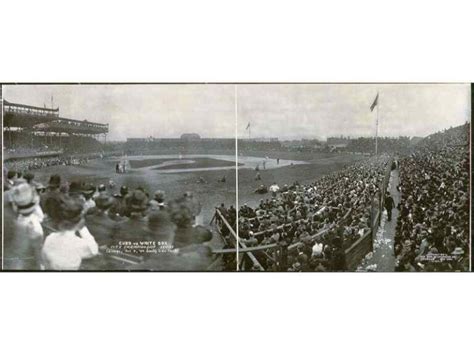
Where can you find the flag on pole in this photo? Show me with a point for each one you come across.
(248, 126)
(375, 103)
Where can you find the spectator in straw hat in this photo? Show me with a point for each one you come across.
(24, 247)
(66, 248)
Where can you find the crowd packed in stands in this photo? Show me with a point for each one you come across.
(433, 228)
(38, 163)
(26, 151)
(23, 142)
(71, 226)
(313, 224)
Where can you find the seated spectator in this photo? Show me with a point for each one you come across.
(66, 248)
(99, 222)
(23, 246)
(262, 189)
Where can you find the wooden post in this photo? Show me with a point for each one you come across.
(239, 243)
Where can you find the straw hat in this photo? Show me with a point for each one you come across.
(458, 251)
(25, 198)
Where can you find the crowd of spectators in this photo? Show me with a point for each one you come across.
(23, 143)
(301, 227)
(75, 225)
(432, 232)
(312, 224)
(22, 165)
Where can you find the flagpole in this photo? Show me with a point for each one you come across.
(377, 126)
(250, 128)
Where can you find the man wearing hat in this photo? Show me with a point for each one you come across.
(162, 229)
(8, 184)
(194, 206)
(23, 251)
(99, 222)
(101, 190)
(262, 189)
(186, 234)
(29, 178)
(88, 191)
(389, 204)
(52, 192)
(119, 209)
(76, 190)
(274, 188)
(9, 181)
(133, 228)
(159, 197)
(19, 178)
(66, 248)
(196, 256)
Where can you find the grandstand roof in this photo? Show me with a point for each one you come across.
(67, 125)
(47, 120)
(7, 103)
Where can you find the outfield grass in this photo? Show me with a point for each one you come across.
(199, 163)
(318, 165)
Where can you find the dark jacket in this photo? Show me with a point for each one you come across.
(389, 203)
(101, 226)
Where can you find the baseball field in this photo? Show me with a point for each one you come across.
(201, 173)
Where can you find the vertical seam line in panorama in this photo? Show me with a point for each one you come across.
(3, 179)
(236, 180)
(470, 183)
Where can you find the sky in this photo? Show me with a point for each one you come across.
(286, 111)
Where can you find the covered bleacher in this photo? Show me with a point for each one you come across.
(29, 128)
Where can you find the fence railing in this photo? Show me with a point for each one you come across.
(237, 241)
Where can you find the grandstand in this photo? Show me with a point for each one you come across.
(39, 131)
